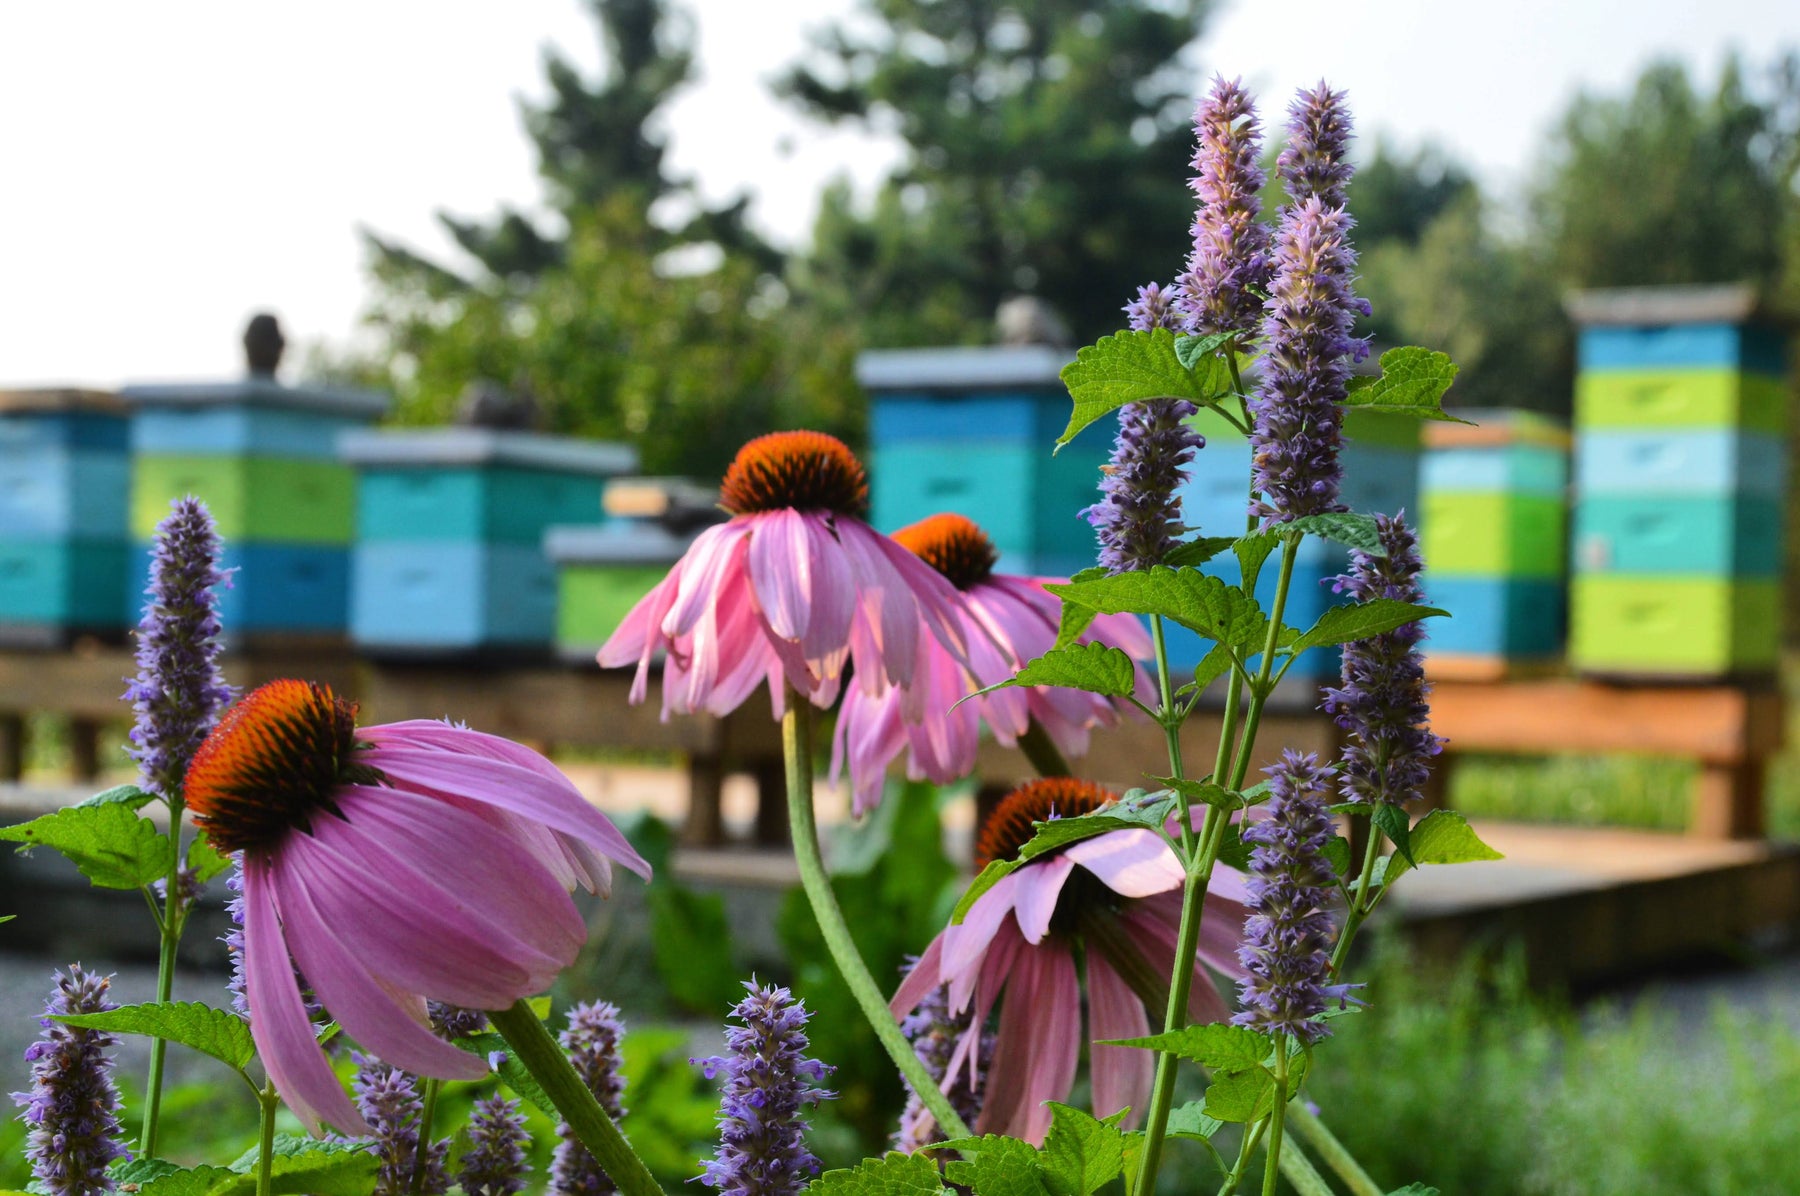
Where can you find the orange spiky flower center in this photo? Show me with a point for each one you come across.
(801, 471)
(1010, 827)
(273, 762)
(952, 544)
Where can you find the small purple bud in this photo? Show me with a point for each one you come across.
(1314, 164)
(495, 1164)
(934, 1034)
(1221, 289)
(592, 1042)
(389, 1101)
(72, 1107)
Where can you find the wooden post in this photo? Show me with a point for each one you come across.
(84, 749)
(1728, 800)
(705, 825)
(12, 747)
(771, 803)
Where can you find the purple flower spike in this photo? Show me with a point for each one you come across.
(1139, 516)
(1286, 937)
(1306, 367)
(1382, 702)
(592, 1041)
(934, 1034)
(389, 1101)
(1314, 162)
(179, 691)
(768, 1080)
(1221, 289)
(495, 1164)
(451, 1022)
(72, 1107)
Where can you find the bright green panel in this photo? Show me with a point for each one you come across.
(1654, 624)
(273, 499)
(992, 484)
(1493, 535)
(1695, 398)
(591, 601)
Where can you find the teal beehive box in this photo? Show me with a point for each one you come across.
(65, 493)
(1681, 482)
(450, 527)
(970, 430)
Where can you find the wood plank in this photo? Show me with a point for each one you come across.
(1722, 724)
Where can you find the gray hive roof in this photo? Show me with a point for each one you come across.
(1725, 303)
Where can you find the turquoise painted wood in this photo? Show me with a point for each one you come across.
(993, 484)
(33, 431)
(276, 589)
(1714, 536)
(1686, 461)
(1509, 618)
(240, 431)
(1744, 347)
(503, 504)
(58, 583)
(445, 596)
(1513, 469)
(1309, 594)
(52, 492)
(1005, 418)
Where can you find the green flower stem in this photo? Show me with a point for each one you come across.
(1360, 905)
(1272, 1166)
(796, 746)
(1307, 1125)
(1259, 693)
(1298, 1170)
(1042, 752)
(174, 919)
(538, 1051)
(268, 1101)
(1246, 1151)
(427, 1115)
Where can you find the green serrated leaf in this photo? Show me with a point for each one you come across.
(1415, 1190)
(1058, 832)
(1233, 851)
(1252, 551)
(1197, 552)
(189, 1181)
(206, 861)
(895, 1174)
(996, 1166)
(1393, 823)
(1337, 854)
(113, 847)
(1191, 349)
(1191, 1121)
(305, 1167)
(1094, 668)
(1347, 624)
(141, 1171)
(1221, 1047)
(1412, 382)
(129, 796)
(1129, 367)
(1340, 527)
(1442, 837)
(1081, 1153)
(1201, 603)
(1241, 1096)
(214, 1032)
(1205, 792)
(512, 1071)
(1151, 810)
(1075, 618)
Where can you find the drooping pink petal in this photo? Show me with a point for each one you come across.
(348, 988)
(920, 982)
(715, 553)
(889, 613)
(1037, 1047)
(964, 943)
(827, 637)
(559, 806)
(1121, 1075)
(1132, 863)
(278, 1021)
(639, 633)
(1040, 883)
(1154, 932)
(782, 571)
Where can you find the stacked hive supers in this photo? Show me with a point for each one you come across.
(263, 457)
(65, 548)
(450, 528)
(1680, 478)
(1493, 530)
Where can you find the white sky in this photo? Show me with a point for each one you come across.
(165, 169)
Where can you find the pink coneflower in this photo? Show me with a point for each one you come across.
(1006, 621)
(1116, 900)
(431, 862)
(789, 589)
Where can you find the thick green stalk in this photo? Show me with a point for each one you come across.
(1042, 751)
(1298, 1170)
(796, 746)
(174, 918)
(427, 1116)
(1246, 1151)
(265, 1154)
(538, 1051)
(1272, 1167)
(1259, 693)
(1307, 1125)
(1359, 901)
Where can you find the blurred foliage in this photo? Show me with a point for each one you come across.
(1043, 143)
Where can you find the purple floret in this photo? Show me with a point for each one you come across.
(495, 1164)
(389, 1101)
(592, 1042)
(1383, 701)
(73, 1106)
(934, 1034)
(1315, 164)
(1221, 288)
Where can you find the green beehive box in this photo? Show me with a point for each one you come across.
(1493, 535)
(601, 573)
(1653, 625)
(1714, 397)
(269, 499)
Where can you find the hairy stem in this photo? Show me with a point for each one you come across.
(1307, 1125)
(1272, 1167)
(265, 1153)
(538, 1051)
(427, 1115)
(174, 917)
(796, 746)
(1246, 1151)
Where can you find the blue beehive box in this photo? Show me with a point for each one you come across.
(450, 527)
(65, 489)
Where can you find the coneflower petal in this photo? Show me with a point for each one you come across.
(1121, 1075)
(1043, 1033)
(1039, 886)
(1132, 863)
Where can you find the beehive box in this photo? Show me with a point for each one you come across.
(65, 481)
(601, 572)
(450, 526)
(1681, 482)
